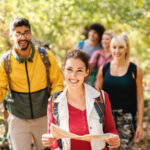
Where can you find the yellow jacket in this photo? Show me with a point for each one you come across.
(29, 83)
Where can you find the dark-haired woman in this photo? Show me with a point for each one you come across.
(76, 110)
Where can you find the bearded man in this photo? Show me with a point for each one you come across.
(27, 81)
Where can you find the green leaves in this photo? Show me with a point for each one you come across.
(60, 23)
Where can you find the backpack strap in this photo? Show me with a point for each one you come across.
(81, 44)
(94, 71)
(54, 106)
(46, 61)
(134, 69)
(7, 66)
(8, 70)
(100, 106)
(54, 109)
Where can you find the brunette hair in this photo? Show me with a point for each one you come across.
(19, 21)
(78, 54)
(98, 28)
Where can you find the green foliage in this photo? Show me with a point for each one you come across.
(4, 145)
(59, 23)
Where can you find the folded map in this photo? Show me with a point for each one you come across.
(60, 133)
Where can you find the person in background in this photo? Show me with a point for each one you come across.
(85, 32)
(122, 80)
(27, 81)
(102, 56)
(76, 108)
(93, 42)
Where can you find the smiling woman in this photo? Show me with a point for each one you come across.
(122, 80)
(75, 72)
(102, 56)
(120, 47)
(76, 110)
(76, 65)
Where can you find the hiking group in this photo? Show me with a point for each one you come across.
(103, 91)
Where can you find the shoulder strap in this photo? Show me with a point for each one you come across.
(46, 61)
(54, 109)
(100, 106)
(81, 44)
(7, 66)
(54, 106)
(134, 69)
(105, 67)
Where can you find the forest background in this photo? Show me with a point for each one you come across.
(58, 25)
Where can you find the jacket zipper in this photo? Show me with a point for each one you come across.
(30, 100)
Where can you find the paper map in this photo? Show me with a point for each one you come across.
(59, 133)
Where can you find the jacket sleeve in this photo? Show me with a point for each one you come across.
(56, 78)
(3, 80)
(108, 119)
(51, 120)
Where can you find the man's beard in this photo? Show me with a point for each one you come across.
(23, 48)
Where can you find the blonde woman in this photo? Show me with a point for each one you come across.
(122, 80)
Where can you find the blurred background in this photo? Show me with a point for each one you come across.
(59, 24)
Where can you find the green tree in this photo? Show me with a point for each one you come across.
(59, 23)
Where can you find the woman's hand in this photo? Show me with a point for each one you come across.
(113, 141)
(138, 133)
(48, 140)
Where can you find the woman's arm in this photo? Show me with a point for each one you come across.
(109, 125)
(99, 78)
(108, 117)
(47, 140)
(140, 103)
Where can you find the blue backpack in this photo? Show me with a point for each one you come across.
(80, 45)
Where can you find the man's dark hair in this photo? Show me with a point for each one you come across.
(98, 28)
(19, 21)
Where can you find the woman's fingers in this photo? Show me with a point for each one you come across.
(114, 146)
(114, 141)
(138, 133)
(47, 140)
